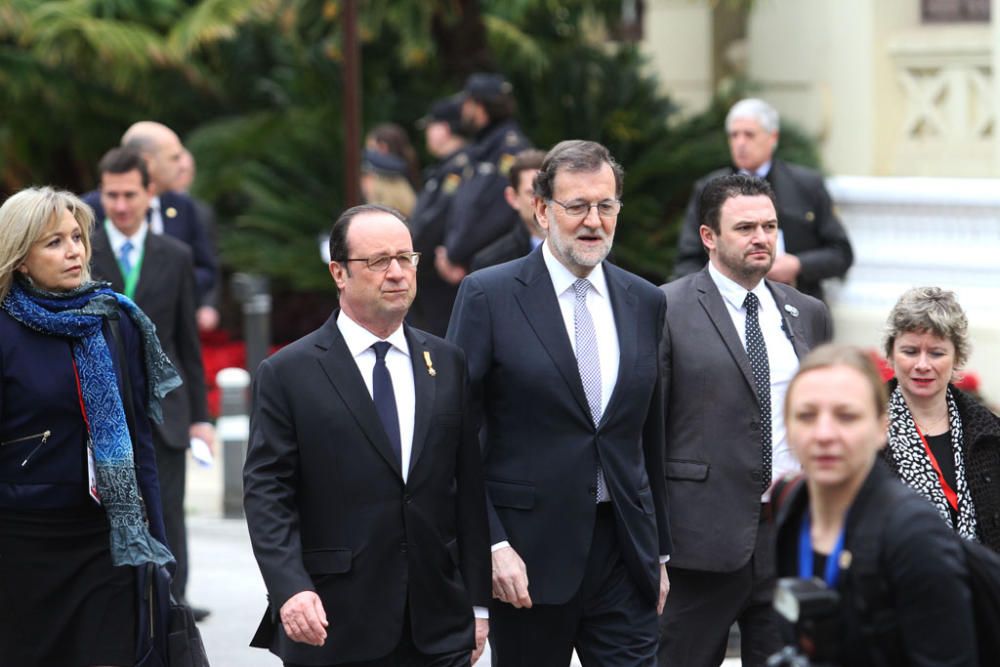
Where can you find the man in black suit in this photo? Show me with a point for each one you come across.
(156, 272)
(731, 343)
(520, 196)
(170, 212)
(561, 347)
(363, 482)
(812, 243)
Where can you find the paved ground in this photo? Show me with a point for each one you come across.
(225, 578)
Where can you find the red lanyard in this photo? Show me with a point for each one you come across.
(79, 395)
(949, 492)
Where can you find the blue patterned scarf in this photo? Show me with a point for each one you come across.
(79, 315)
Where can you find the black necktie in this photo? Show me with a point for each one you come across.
(757, 352)
(385, 398)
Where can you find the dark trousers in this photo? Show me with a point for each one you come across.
(609, 621)
(702, 606)
(171, 467)
(406, 655)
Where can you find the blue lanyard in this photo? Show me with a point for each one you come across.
(832, 570)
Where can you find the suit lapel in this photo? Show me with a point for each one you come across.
(152, 271)
(536, 296)
(102, 261)
(711, 301)
(342, 372)
(790, 319)
(625, 307)
(424, 387)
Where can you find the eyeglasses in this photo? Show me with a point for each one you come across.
(379, 263)
(606, 208)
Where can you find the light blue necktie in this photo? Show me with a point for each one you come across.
(588, 361)
(125, 258)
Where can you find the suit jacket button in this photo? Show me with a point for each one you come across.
(407, 499)
(592, 490)
(402, 547)
(755, 475)
(754, 426)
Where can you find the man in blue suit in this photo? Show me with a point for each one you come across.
(562, 358)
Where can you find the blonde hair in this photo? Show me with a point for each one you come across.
(26, 216)
(393, 191)
(831, 355)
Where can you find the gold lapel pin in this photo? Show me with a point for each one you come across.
(171, 212)
(429, 363)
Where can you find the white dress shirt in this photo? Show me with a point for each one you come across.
(155, 216)
(116, 239)
(359, 341)
(781, 360)
(599, 305)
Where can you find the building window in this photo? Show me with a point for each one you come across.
(954, 11)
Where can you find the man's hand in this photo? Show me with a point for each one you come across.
(304, 618)
(482, 631)
(203, 431)
(664, 589)
(785, 269)
(450, 273)
(510, 578)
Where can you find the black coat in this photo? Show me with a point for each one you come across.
(539, 440)
(165, 292)
(981, 450)
(328, 510)
(921, 566)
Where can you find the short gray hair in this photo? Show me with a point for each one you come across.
(758, 110)
(26, 216)
(929, 309)
(575, 156)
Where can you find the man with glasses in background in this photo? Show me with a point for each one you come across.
(562, 355)
(363, 480)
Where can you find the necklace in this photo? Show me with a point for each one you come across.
(928, 427)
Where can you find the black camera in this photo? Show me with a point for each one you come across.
(812, 611)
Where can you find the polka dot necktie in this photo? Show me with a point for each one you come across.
(385, 398)
(588, 361)
(757, 352)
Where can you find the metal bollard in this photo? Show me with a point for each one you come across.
(233, 431)
(253, 292)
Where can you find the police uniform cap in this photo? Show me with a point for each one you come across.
(485, 86)
(446, 110)
(384, 164)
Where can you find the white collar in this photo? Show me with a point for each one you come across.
(359, 339)
(563, 278)
(732, 291)
(117, 239)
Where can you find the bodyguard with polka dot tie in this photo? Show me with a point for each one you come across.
(731, 343)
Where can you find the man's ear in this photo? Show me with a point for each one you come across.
(542, 213)
(707, 237)
(511, 196)
(339, 273)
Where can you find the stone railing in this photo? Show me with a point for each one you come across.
(945, 75)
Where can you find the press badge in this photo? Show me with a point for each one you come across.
(92, 473)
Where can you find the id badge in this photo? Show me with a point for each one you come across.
(92, 473)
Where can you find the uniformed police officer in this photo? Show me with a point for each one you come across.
(479, 214)
(432, 307)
